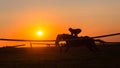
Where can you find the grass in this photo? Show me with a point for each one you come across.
(80, 57)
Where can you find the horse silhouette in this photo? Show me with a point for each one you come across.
(73, 41)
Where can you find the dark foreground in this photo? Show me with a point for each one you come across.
(81, 57)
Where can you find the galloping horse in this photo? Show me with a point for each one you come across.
(73, 41)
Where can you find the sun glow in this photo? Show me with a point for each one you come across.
(40, 33)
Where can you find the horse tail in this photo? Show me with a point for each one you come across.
(58, 38)
(57, 43)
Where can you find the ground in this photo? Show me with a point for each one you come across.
(51, 57)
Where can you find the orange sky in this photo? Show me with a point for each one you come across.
(22, 19)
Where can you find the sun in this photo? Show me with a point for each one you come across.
(40, 33)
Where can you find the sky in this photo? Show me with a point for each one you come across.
(21, 19)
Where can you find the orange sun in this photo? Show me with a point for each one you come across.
(40, 33)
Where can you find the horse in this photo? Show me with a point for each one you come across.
(73, 41)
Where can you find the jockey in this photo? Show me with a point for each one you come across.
(74, 32)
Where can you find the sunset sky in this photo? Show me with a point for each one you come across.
(21, 19)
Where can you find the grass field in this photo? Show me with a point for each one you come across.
(51, 57)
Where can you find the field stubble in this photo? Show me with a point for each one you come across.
(45, 57)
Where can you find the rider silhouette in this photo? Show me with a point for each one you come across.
(74, 32)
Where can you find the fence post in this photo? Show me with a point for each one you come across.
(30, 45)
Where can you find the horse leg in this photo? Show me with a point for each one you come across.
(60, 48)
(94, 46)
(90, 48)
(67, 48)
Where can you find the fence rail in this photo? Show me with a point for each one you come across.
(6, 39)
